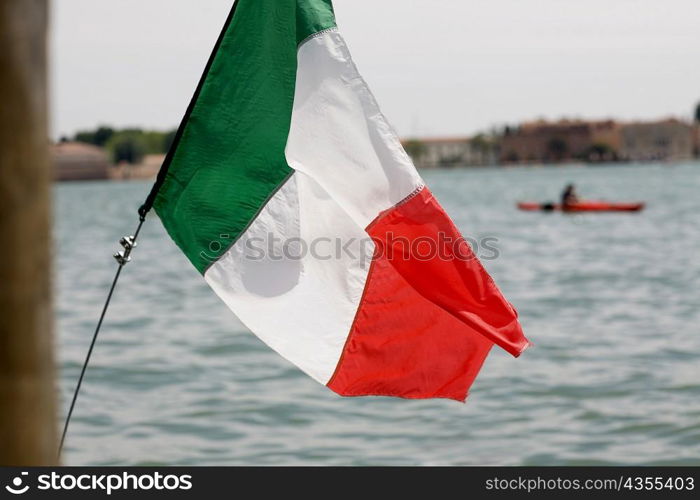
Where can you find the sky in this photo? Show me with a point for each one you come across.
(437, 68)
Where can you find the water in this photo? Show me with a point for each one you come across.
(610, 300)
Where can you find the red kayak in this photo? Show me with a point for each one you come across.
(583, 206)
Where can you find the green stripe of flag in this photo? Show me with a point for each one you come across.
(230, 157)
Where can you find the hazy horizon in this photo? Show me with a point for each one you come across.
(451, 68)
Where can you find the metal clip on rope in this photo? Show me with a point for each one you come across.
(123, 257)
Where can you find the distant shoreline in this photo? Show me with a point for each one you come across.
(148, 172)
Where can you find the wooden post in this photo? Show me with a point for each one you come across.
(27, 381)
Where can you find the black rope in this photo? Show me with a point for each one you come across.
(162, 173)
(122, 259)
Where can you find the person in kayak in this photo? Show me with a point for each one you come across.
(569, 196)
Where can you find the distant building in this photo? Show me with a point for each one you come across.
(76, 161)
(669, 139)
(562, 141)
(451, 152)
(565, 140)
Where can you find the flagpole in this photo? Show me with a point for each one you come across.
(27, 375)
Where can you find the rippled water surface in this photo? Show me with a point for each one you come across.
(610, 300)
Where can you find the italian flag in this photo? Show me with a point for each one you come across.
(290, 192)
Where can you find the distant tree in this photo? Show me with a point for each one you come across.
(557, 148)
(127, 146)
(697, 113)
(99, 137)
(103, 135)
(168, 140)
(153, 141)
(131, 131)
(88, 137)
